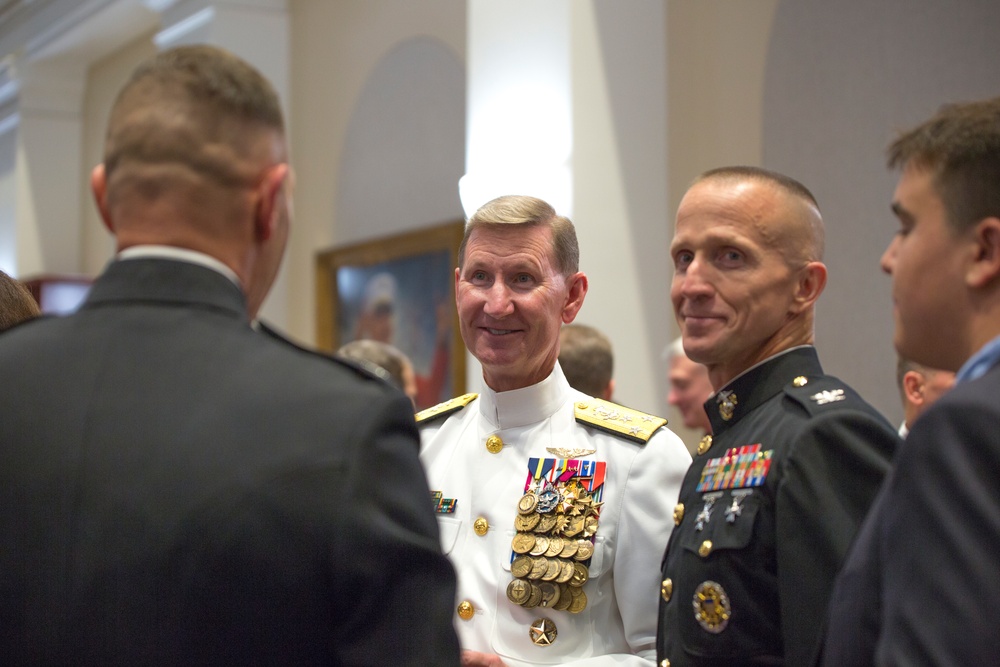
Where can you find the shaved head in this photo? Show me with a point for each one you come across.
(794, 227)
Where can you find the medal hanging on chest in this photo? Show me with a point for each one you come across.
(557, 518)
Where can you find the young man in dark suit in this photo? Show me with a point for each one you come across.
(177, 487)
(918, 586)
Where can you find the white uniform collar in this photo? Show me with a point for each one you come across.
(530, 405)
(180, 255)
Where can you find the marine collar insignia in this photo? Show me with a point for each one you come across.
(727, 404)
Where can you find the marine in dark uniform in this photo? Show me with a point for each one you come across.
(767, 512)
(773, 500)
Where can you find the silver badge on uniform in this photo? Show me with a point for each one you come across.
(735, 509)
(705, 515)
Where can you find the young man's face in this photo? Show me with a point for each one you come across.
(927, 261)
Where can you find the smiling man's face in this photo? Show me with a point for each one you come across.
(734, 289)
(512, 301)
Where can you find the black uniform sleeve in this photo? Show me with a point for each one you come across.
(399, 606)
(831, 478)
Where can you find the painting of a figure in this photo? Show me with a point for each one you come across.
(399, 291)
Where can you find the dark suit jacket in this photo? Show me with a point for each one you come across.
(751, 567)
(177, 488)
(921, 584)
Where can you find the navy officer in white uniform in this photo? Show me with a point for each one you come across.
(554, 506)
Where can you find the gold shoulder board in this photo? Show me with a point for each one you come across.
(618, 420)
(446, 408)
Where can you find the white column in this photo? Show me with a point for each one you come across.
(520, 113)
(40, 157)
(567, 103)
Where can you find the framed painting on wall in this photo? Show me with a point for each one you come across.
(398, 290)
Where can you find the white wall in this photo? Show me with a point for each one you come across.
(716, 59)
(337, 47)
(8, 202)
(620, 170)
(104, 79)
(842, 79)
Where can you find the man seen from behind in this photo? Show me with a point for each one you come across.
(178, 487)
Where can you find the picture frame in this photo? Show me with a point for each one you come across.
(400, 290)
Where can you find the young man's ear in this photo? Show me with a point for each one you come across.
(99, 187)
(985, 266)
(268, 193)
(913, 387)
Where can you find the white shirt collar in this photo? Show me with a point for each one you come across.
(530, 405)
(180, 255)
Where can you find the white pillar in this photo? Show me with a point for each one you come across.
(567, 102)
(520, 113)
(40, 157)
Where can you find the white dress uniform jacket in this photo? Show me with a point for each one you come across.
(618, 626)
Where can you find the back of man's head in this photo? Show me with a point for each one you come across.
(587, 360)
(196, 158)
(960, 146)
(192, 106)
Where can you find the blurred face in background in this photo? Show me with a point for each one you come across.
(689, 389)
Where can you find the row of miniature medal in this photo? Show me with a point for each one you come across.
(553, 524)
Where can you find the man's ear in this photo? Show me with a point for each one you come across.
(985, 266)
(577, 289)
(609, 391)
(811, 282)
(99, 186)
(268, 192)
(913, 387)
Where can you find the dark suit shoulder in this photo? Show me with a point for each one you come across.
(368, 372)
(822, 394)
(28, 322)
